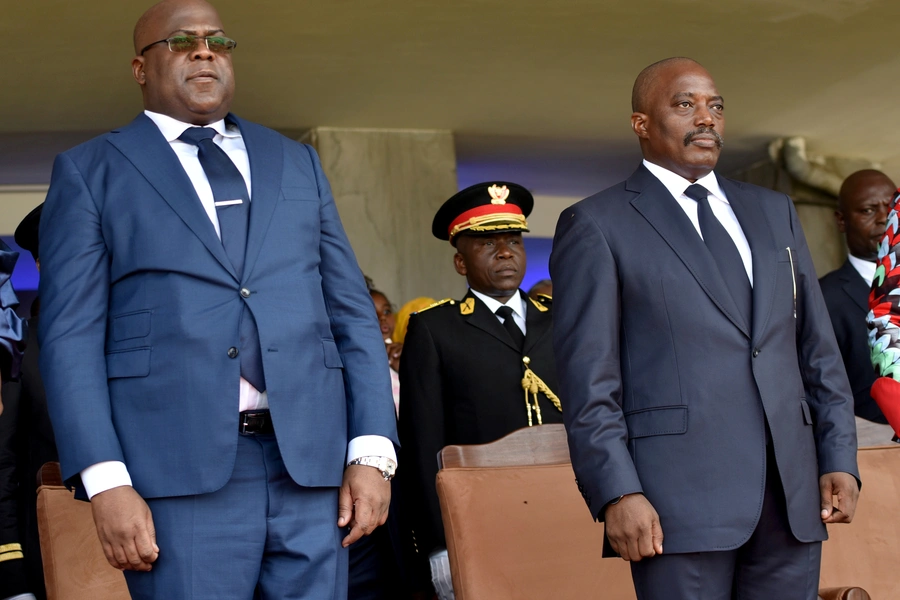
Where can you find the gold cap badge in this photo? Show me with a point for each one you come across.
(498, 194)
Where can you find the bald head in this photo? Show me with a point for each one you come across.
(863, 206)
(643, 85)
(157, 15)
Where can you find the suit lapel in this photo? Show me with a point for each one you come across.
(664, 214)
(143, 144)
(264, 148)
(482, 318)
(762, 248)
(855, 286)
(537, 323)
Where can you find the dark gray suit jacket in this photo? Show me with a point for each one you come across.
(666, 389)
(847, 298)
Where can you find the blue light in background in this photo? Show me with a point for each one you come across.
(537, 250)
(25, 275)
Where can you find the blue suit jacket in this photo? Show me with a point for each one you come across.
(667, 389)
(140, 305)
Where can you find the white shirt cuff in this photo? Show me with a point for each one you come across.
(371, 445)
(104, 476)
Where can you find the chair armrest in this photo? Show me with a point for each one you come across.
(844, 593)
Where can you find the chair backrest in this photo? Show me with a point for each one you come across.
(74, 565)
(867, 551)
(516, 526)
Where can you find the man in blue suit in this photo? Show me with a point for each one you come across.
(704, 395)
(211, 361)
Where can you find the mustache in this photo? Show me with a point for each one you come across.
(720, 141)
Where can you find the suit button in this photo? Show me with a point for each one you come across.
(755, 352)
(245, 293)
(232, 352)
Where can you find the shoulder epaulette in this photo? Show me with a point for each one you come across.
(545, 299)
(438, 303)
(540, 304)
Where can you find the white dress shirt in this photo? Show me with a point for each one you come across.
(718, 202)
(516, 303)
(865, 268)
(109, 474)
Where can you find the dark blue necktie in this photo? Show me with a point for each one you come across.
(233, 210)
(725, 253)
(506, 313)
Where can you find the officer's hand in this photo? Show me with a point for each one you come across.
(846, 489)
(633, 528)
(363, 501)
(394, 350)
(125, 527)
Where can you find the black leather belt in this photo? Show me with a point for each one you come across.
(255, 422)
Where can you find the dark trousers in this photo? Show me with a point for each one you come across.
(261, 536)
(771, 565)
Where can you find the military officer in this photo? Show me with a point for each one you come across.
(473, 370)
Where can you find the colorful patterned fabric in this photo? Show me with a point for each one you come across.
(884, 320)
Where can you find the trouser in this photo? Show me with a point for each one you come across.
(260, 536)
(771, 565)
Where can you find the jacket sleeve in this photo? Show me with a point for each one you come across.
(586, 342)
(367, 380)
(821, 366)
(74, 292)
(422, 432)
(884, 321)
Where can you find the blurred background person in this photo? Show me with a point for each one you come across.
(863, 206)
(544, 287)
(26, 438)
(401, 322)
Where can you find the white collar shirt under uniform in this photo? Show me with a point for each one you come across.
(718, 202)
(865, 268)
(516, 303)
(107, 475)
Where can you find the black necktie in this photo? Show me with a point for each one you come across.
(233, 210)
(506, 313)
(725, 253)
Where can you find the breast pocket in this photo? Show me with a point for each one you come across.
(303, 194)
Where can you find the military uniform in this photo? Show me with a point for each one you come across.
(466, 374)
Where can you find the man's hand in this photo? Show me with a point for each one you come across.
(633, 528)
(846, 489)
(394, 350)
(363, 501)
(125, 527)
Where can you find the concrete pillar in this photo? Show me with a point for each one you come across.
(388, 184)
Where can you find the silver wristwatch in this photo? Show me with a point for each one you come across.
(387, 466)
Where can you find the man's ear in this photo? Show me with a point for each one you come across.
(459, 263)
(841, 222)
(639, 124)
(137, 69)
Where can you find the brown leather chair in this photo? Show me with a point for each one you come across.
(867, 551)
(517, 528)
(74, 565)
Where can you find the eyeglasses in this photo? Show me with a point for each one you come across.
(188, 43)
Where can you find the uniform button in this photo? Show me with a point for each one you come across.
(245, 293)
(232, 352)
(755, 352)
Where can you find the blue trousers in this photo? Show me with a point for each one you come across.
(261, 536)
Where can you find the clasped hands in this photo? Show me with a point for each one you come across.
(128, 537)
(634, 530)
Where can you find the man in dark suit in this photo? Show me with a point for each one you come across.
(463, 364)
(863, 206)
(210, 357)
(705, 398)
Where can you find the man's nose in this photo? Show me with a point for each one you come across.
(703, 116)
(201, 51)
